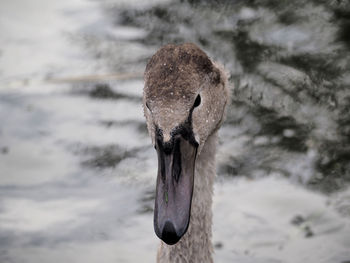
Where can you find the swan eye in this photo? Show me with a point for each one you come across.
(148, 106)
(197, 102)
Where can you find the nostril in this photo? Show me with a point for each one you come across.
(169, 234)
(177, 160)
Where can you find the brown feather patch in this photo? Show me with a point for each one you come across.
(179, 70)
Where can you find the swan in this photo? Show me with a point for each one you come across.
(184, 100)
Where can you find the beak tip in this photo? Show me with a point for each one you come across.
(168, 233)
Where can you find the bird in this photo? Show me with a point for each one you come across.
(185, 97)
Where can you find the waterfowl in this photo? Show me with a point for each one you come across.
(184, 100)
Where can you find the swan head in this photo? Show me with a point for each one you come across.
(184, 100)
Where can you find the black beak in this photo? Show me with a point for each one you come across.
(176, 163)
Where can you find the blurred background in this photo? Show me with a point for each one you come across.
(77, 169)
